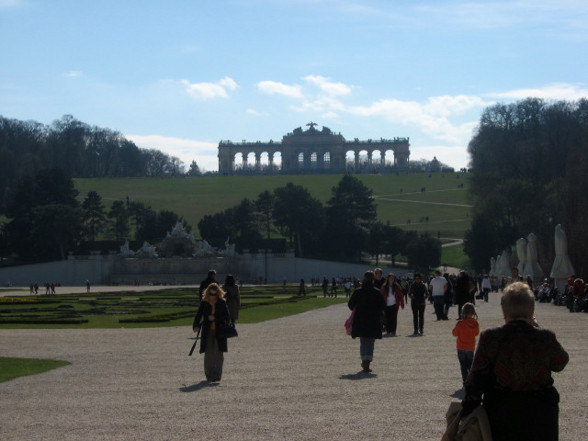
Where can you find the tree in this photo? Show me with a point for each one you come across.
(264, 206)
(528, 161)
(194, 170)
(120, 220)
(45, 217)
(300, 218)
(424, 253)
(350, 212)
(94, 215)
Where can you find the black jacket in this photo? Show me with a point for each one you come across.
(368, 303)
(221, 316)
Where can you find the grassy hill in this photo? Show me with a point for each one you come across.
(400, 198)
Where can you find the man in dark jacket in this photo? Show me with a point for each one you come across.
(210, 278)
(368, 303)
(418, 294)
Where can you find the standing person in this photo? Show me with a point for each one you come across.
(368, 303)
(511, 373)
(87, 285)
(302, 288)
(462, 291)
(379, 280)
(439, 286)
(210, 278)
(394, 298)
(212, 314)
(418, 294)
(466, 330)
(325, 286)
(232, 297)
(334, 287)
(486, 287)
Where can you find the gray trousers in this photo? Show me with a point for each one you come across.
(213, 358)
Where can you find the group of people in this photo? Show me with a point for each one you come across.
(49, 288)
(509, 372)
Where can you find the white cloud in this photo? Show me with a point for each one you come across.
(561, 91)
(206, 91)
(187, 150)
(328, 87)
(10, 3)
(74, 74)
(276, 88)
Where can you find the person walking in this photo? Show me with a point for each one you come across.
(466, 330)
(368, 304)
(418, 294)
(439, 286)
(394, 298)
(210, 278)
(212, 314)
(232, 297)
(511, 373)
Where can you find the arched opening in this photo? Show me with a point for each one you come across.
(238, 161)
(350, 160)
(301, 160)
(327, 160)
(264, 161)
(250, 161)
(277, 162)
(313, 161)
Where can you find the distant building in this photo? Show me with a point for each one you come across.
(312, 151)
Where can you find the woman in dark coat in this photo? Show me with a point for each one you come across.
(232, 297)
(369, 304)
(511, 373)
(211, 316)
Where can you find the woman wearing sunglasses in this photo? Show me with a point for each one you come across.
(211, 316)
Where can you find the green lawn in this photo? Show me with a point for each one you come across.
(11, 368)
(398, 197)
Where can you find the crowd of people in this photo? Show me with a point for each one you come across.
(508, 372)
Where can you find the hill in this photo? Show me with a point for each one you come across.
(435, 203)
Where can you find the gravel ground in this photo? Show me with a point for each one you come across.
(296, 378)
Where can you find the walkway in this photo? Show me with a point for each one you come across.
(295, 378)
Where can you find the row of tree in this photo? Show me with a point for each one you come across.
(345, 229)
(79, 149)
(530, 173)
(46, 221)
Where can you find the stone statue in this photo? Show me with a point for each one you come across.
(521, 246)
(229, 250)
(203, 249)
(562, 266)
(125, 250)
(146, 251)
(532, 267)
(492, 267)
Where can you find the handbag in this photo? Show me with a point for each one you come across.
(349, 322)
(474, 427)
(227, 330)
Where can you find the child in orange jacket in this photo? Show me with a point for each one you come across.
(466, 330)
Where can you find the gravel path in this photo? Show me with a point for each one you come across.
(295, 378)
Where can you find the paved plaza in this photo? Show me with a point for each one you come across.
(296, 378)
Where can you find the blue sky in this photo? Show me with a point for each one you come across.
(180, 76)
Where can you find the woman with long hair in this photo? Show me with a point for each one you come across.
(394, 298)
(211, 316)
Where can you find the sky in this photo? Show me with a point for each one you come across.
(180, 76)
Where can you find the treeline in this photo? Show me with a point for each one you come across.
(344, 229)
(530, 173)
(46, 221)
(80, 150)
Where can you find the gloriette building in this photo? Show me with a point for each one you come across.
(312, 151)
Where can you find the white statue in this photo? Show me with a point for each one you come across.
(532, 267)
(147, 250)
(521, 246)
(203, 249)
(229, 250)
(562, 266)
(492, 267)
(125, 250)
(505, 263)
(498, 269)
